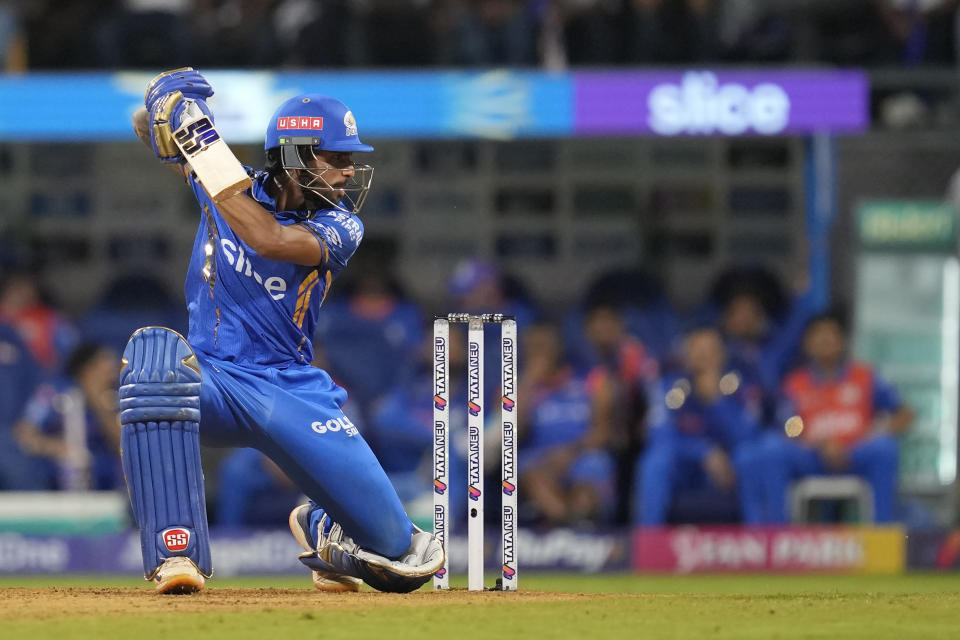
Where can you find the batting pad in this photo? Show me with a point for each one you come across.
(160, 412)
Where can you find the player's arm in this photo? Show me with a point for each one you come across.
(179, 127)
(259, 230)
(270, 239)
(896, 415)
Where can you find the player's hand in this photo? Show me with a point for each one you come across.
(166, 116)
(835, 456)
(186, 80)
(169, 96)
(717, 465)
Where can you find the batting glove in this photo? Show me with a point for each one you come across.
(166, 116)
(187, 81)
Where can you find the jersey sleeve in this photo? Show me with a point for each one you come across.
(885, 396)
(340, 235)
(39, 410)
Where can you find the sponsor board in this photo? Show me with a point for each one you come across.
(719, 103)
(556, 550)
(669, 550)
(496, 104)
(934, 548)
(769, 549)
(262, 552)
(235, 553)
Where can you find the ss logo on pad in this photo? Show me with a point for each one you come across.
(196, 135)
(176, 539)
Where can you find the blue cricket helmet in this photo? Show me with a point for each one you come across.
(326, 120)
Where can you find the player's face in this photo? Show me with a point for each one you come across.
(331, 179)
(744, 317)
(604, 329)
(825, 344)
(704, 352)
(335, 166)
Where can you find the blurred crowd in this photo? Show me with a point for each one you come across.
(629, 411)
(154, 34)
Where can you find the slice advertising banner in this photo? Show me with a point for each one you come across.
(722, 103)
(495, 104)
(787, 549)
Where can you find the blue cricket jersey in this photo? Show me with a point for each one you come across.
(694, 426)
(251, 310)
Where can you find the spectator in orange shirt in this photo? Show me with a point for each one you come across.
(47, 333)
(840, 417)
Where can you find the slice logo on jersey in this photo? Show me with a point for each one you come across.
(474, 492)
(238, 259)
(439, 403)
(508, 488)
(509, 572)
(508, 404)
(350, 123)
(439, 487)
(177, 539)
(474, 408)
(300, 122)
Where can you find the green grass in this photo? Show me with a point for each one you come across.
(615, 606)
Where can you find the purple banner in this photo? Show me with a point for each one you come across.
(721, 103)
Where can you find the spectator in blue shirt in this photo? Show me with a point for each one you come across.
(701, 424)
(566, 469)
(369, 335)
(19, 377)
(73, 422)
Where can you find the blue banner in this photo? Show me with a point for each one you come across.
(51, 107)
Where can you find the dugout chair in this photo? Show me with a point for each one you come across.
(854, 489)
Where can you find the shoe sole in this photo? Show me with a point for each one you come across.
(327, 582)
(180, 585)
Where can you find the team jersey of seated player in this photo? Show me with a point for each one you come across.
(677, 416)
(842, 409)
(251, 310)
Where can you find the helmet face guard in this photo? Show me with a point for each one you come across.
(296, 154)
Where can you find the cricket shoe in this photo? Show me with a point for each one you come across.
(178, 575)
(322, 580)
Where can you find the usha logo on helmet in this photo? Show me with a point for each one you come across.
(701, 105)
(294, 122)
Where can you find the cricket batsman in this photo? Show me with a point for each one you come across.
(268, 245)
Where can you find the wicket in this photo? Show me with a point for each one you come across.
(508, 445)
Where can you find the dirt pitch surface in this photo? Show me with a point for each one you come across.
(816, 607)
(70, 602)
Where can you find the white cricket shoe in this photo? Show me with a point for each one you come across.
(322, 580)
(179, 575)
